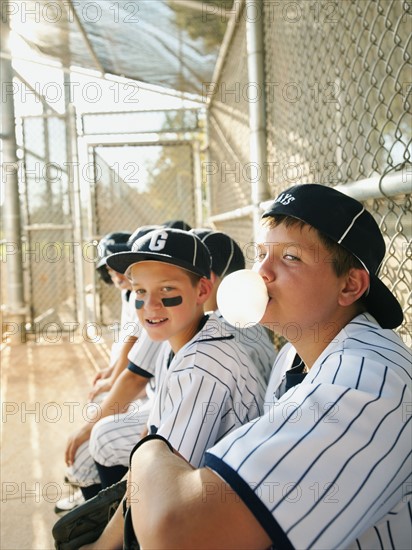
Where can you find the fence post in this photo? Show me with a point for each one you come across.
(257, 117)
(15, 314)
(77, 216)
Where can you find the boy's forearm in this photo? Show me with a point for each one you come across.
(178, 506)
(126, 389)
(158, 513)
(123, 361)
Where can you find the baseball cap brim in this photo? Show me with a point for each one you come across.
(114, 249)
(122, 261)
(101, 262)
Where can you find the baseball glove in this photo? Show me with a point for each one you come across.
(85, 523)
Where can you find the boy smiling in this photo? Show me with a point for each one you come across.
(206, 384)
(160, 287)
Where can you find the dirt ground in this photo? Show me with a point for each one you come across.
(44, 389)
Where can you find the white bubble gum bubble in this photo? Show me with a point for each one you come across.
(242, 298)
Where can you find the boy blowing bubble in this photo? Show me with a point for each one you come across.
(328, 465)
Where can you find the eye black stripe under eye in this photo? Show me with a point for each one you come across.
(170, 302)
(138, 304)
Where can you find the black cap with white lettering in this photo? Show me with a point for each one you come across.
(140, 231)
(346, 222)
(143, 229)
(172, 246)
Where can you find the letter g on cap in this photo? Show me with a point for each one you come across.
(158, 241)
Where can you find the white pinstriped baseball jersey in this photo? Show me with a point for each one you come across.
(329, 464)
(110, 441)
(257, 345)
(209, 388)
(143, 355)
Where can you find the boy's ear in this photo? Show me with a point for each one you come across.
(204, 289)
(355, 286)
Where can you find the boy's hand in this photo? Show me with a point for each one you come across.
(105, 373)
(102, 385)
(74, 442)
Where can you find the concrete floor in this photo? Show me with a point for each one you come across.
(44, 390)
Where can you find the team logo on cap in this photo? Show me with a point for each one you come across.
(285, 198)
(158, 241)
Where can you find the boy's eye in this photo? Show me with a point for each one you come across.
(167, 288)
(261, 254)
(292, 253)
(139, 291)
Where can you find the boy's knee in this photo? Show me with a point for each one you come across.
(99, 442)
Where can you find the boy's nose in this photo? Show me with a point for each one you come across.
(266, 271)
(152, 301)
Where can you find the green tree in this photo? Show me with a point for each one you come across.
(193, 21)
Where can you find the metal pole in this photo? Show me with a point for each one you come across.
(15, 314)
(197, 177)
(78, 225)
(73, 14)
(206, 176)
(372, 188)
(257, 117)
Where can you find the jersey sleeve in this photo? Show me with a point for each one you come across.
(144, 355)
(191, 413)
(135, 369)
(325, 462)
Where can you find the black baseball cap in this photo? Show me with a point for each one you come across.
(177, 224)
(172, 246)
(226, 254)
(346, 222)
(116, 241)
(143, 229)
(139, 232)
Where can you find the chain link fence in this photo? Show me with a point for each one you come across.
(139, 185)
(337, 85)
(125, 185)
(338, 99)
(48, 242)
(226, 168)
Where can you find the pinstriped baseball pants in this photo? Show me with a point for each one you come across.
(111, 440)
